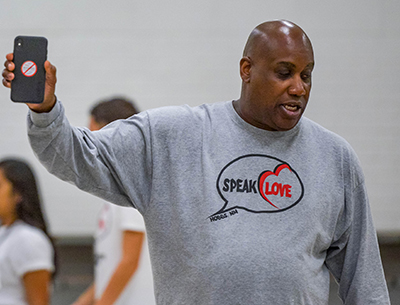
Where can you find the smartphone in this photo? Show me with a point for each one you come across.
(30, 53)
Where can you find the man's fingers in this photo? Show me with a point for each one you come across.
(7, 74)
(10, 56)
(7, 78)
(6, 84)
(51, 80)
(50, 84)
(49, 67)
(49, 90)
(8, 64)
(51, 71)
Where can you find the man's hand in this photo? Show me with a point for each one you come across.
(49, 89)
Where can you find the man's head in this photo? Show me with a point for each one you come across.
(276, 72)
(107, 111)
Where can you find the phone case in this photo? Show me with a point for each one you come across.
(30, 53)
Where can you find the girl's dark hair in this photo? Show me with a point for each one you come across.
(23, 182)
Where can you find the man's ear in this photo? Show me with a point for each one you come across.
(245, 69)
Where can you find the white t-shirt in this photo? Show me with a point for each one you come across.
(23, 249)
(112, 222)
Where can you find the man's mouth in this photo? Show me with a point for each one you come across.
(291, 108)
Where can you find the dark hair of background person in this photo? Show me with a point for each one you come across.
(29, 209)
(113, 109)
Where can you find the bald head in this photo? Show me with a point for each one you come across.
(271, 34)
(276, 70)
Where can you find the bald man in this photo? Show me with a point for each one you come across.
(245, 201)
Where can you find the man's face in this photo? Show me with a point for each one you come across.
(278, 85)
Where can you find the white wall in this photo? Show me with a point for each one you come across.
(185, 51)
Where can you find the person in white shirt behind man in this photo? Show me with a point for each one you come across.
(122, 264)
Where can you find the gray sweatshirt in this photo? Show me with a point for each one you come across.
(234, 214)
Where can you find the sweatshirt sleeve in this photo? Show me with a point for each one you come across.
(96, 162)
(354, 258)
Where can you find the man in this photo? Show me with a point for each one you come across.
(122, 270)
(248, 201)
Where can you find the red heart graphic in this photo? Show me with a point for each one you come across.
(277, 188)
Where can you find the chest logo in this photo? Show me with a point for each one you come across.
(257, 184)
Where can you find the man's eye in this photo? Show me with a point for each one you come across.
(284, 74)
(306, 77)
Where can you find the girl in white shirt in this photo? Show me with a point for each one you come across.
(27, 257)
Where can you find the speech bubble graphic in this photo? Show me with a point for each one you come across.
(259, 184)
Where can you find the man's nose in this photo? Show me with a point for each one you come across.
(297, 87)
